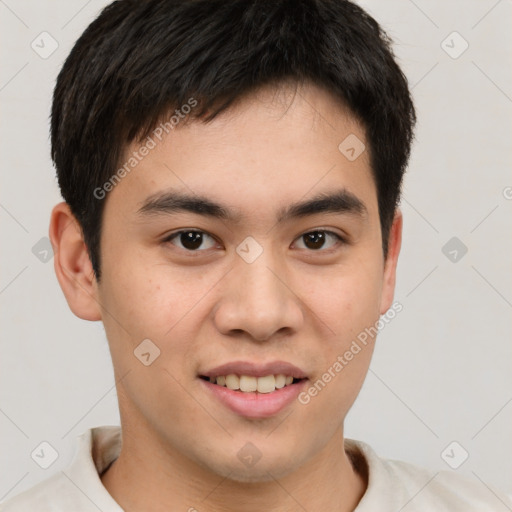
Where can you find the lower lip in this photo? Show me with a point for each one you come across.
(256, 405)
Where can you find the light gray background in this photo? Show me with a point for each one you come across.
(442, 370)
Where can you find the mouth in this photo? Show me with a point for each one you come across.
(254, 390)
(251, 384)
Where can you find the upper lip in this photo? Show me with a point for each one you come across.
(253, 369)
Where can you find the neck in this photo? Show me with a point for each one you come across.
(150, 476)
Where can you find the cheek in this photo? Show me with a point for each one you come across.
(347, 301)
(166, 305)
(151, 299)
(150, 303)
(333, 392)
(346, 298)
(346, 354)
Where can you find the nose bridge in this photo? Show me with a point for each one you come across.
(259, 284)
(257, 299)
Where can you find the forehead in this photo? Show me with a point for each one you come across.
(270, 148)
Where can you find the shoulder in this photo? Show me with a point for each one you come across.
(78, 487)
(393, 485)
(56, 493)
(447, 490)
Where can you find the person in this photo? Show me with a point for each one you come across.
(232, 172)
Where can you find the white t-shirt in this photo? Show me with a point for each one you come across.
(392, 485)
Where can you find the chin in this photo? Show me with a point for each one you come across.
(257, 475)
(261, 471)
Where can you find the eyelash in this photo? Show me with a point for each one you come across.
(340, 240)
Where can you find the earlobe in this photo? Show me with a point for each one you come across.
(394, 245)
(72, 264)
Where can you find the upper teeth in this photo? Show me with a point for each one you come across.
(248, 383)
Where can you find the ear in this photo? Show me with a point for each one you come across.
(72, 264)
(394, 245)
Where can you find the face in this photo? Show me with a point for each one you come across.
(247, 280)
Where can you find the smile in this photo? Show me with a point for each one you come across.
(251, 384)
(254, 404)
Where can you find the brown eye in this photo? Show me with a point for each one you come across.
(316, 240)
(191, 240)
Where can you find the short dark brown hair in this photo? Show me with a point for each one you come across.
(139, 60)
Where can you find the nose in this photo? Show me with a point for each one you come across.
(256, 299)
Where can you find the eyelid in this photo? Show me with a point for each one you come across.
(341, 239)
(168, 238)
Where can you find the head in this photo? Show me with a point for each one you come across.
(241, 112)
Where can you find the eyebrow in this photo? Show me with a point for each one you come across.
(168, 202)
